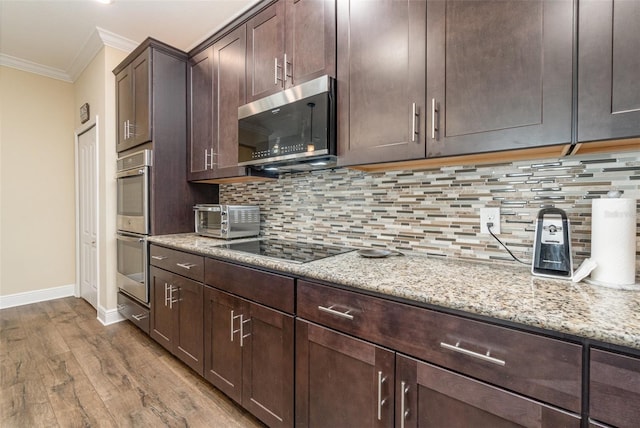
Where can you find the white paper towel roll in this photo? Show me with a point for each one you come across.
(613, 240)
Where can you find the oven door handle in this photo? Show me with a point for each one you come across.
(130, 238)
(132, 172)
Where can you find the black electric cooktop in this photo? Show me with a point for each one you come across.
(298, 252)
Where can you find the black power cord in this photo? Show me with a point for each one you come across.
(489, 226)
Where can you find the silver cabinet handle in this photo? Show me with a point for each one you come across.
(242, 335)
(124, 130)
(381, 401)
(415, 113)
(158, 257)
(171, 299)
(332, 311)
(179, 290)
(209, 159)
(277, 79)
(187, 266)
(404, 412)
(231, 325)
(233, 318)
(434, 128)
(484, 357)
(139, 317)
(286, 70)
(166, 291)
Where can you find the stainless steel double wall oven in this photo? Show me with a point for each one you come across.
(133, 192)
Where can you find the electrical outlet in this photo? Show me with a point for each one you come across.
(490, 215)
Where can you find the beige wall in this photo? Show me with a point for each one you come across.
(37, 196)
(96, 86)
(38, 119)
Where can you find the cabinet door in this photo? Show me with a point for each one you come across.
(124, 112)
(267, 361)
(141, 71)
(429, 396)
(381, 81)
(223, 354)
(188, 303)
(201, 114)
(608, 69)
(163, 321)
(310, 40)
(499, 75)
(229, 93)
(265, 51)
(614, 389)
(341, 381)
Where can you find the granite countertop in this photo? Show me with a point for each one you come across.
(495, 290)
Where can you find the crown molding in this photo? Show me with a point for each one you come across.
(32, 67)
(95, 42)
(116, 41)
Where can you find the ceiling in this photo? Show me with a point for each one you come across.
(58, 38)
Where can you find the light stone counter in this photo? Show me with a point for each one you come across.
(494, 290)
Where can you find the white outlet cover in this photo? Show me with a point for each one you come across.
(490, 215)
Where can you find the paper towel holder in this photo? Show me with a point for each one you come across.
(552, 245)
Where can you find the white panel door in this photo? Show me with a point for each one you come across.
(88, 219)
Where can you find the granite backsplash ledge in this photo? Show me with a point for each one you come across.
(437, 211)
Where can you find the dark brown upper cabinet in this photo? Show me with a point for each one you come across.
(499, 75)
(430, 79)
(608, 69)
(133, 95)
(201, 114)
(288, 43)
(217, 89)
(381, 80)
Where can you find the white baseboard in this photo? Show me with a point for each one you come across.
(36, 296)
(109, 316)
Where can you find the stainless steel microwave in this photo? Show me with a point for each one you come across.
(227, 221)
(294, 129)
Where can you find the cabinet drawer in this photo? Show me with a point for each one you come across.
(614, 389)
(276, 291)
(537, 366)
(134, 312)
(179, 262)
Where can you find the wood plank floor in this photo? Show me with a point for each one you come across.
(60, 367)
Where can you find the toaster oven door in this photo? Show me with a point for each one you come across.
(209, 221)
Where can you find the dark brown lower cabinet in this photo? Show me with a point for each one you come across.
(341, 381)
(176, 316)
(429, 396)
(614, 389)
(249, 352)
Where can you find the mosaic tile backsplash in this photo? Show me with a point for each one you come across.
(437, 211)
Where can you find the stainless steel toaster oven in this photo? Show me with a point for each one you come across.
(227, 221)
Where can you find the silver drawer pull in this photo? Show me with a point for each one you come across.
(332, 311)
(139, 317)
(484, 357)
(187, 266)
(158, 257)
